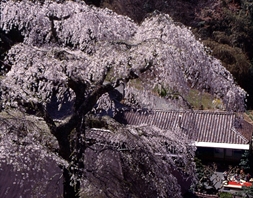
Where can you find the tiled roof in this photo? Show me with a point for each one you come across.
(201, 126)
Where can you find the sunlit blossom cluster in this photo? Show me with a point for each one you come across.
(72, 40)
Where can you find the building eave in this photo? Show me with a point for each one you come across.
(222, 145)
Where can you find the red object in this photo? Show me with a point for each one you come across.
(247, 184)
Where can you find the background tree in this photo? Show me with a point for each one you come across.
(76, 54)
(245, 161)
(208, 180)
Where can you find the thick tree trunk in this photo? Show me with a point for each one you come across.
(70, 191)
(74, 155)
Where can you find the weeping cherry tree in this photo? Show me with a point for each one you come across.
(75, 53)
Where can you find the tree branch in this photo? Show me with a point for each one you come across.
(47, 118)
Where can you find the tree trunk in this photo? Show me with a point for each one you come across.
(74, 155)
(70, 191)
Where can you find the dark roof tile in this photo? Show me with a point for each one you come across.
(201, 126)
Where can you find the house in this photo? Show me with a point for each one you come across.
(218, 136)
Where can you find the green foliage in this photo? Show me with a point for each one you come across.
(163, 92)
(225, 195)
(249, 114)
(248, 192)
(233, 58)
(160, 90)
(199, 100)
(204, 173)
(245, 162)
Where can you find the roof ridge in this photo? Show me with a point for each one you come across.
(233, 129)
(196, 111)
(209, 126)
